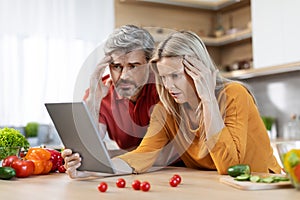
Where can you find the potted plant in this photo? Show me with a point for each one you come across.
(31, 132)
(31, 129)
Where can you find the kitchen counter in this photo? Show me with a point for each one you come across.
(195, 185)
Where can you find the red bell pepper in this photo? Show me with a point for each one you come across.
(56, 159)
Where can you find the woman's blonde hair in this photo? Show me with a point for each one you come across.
(183, 43)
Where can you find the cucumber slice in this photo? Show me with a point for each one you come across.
(254, 179)
(243, 177)
(269, 179)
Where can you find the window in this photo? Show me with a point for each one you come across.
(43, 45)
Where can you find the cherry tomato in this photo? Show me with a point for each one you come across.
(23, 168)
(177, 177)
(297, 172)
(121, 183)
(22, 154)
(9, 160)
(173, 182)
(102, 187)
(136, 185)
(145, 186)
(61, 169)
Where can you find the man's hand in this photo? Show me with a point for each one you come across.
(72, 162)
(98, 90)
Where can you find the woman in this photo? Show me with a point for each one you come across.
(213, 122)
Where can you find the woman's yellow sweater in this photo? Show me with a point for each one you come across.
(243, 140)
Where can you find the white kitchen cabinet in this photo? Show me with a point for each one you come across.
(275, 32)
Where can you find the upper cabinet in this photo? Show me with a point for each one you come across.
(276, 43)
(276, 32)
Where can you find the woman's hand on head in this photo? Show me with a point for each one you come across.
(204, 78)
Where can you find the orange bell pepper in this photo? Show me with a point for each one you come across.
(41, 159)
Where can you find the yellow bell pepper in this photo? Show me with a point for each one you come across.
(41, 159)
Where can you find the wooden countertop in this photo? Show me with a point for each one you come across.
(195, 185)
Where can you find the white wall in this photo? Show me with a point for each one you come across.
(276, 32)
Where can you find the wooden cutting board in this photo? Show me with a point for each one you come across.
(247, 185)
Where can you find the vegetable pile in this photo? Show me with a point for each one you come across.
(10, 137)
(36, 161)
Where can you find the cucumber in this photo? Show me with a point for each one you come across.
(238, 170)
(7, 173)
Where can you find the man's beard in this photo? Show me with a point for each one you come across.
(127, 92)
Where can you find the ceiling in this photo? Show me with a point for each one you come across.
(204, 4)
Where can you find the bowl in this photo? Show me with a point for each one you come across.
(289, 154)
(9, 151)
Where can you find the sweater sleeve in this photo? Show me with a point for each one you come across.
(228, 147)
(142, 158)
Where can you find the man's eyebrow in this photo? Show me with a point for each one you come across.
(137, 62)
(114, 63)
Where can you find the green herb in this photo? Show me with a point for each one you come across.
(12, 138)
(268, 121)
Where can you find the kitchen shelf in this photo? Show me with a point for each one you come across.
(206, 5)
(159, 34)
(264, 71)
(228, 39)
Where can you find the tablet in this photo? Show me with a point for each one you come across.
(78, 132)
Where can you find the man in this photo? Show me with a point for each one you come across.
(122, 101)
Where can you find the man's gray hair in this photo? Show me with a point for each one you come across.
(128, 38)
